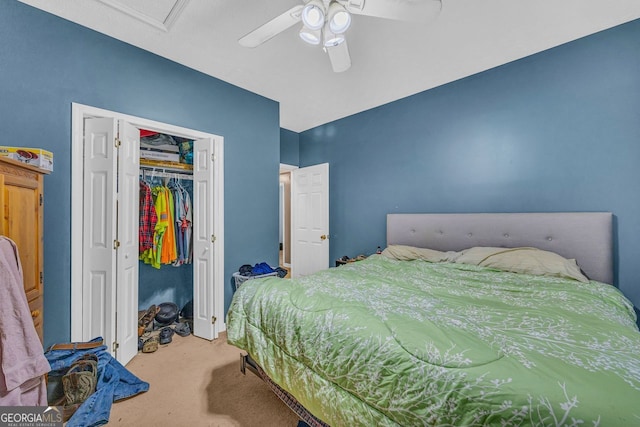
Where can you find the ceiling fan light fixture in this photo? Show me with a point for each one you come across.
(338, 17)
(331, 39)
(313, 15)
(310, 36)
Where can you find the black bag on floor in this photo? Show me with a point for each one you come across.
(167, 313)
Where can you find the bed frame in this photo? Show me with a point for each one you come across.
(583, 236)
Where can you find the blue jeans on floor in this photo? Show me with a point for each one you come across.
(115, 383)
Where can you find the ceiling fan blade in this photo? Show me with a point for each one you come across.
(339, 57)
(401, 10)
(272, 28)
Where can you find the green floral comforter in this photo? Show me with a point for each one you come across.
(382, 342)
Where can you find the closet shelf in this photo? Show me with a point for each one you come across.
(167, 166)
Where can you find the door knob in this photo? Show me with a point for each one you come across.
(324, 237)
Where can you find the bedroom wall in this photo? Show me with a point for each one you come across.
(289, 147)
(556, 131)
(46, 63)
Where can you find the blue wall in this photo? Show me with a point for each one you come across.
(557, 131)
(46, 63)
(289, 147)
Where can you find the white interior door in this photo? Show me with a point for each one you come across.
(110, 242)
(203, 240)
(128, 195)
(99, 231)
(310, 219)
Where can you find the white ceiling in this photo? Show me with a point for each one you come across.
(390, 59)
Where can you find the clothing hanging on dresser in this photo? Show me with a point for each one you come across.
(22, 361)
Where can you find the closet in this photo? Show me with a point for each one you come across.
(166, 184)
(111, 270)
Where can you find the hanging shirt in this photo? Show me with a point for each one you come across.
(168, 253)
(188, 224)
(152, 256)
(148, 218)
(183, 224)
(178, 200)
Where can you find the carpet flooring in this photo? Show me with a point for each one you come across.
(195, 382)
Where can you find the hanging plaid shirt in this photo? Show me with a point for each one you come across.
(148, 218)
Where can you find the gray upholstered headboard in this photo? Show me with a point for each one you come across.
(584, 236)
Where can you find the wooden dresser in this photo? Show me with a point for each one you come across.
(21, 198)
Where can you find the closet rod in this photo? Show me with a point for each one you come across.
(163, 173)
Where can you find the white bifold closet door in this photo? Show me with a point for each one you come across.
(203, 241)
(110, 236)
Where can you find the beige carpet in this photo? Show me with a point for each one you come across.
(195, 382)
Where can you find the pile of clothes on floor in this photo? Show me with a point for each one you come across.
(260, 269)
(85, 380)
(157, 324)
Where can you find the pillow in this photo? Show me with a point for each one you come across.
(409, 253)
(523, 260)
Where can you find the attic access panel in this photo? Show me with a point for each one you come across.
(158, 13)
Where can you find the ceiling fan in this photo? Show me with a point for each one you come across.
(325, 22)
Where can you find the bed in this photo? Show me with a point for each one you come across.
(457, 334)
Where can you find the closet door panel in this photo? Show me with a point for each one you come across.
(203, 240)
(95, 325)
(127, 253)
(99, 231)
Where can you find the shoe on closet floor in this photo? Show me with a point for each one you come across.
(145, 318)
(165, 335)
(150, 345)
(183, 329)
